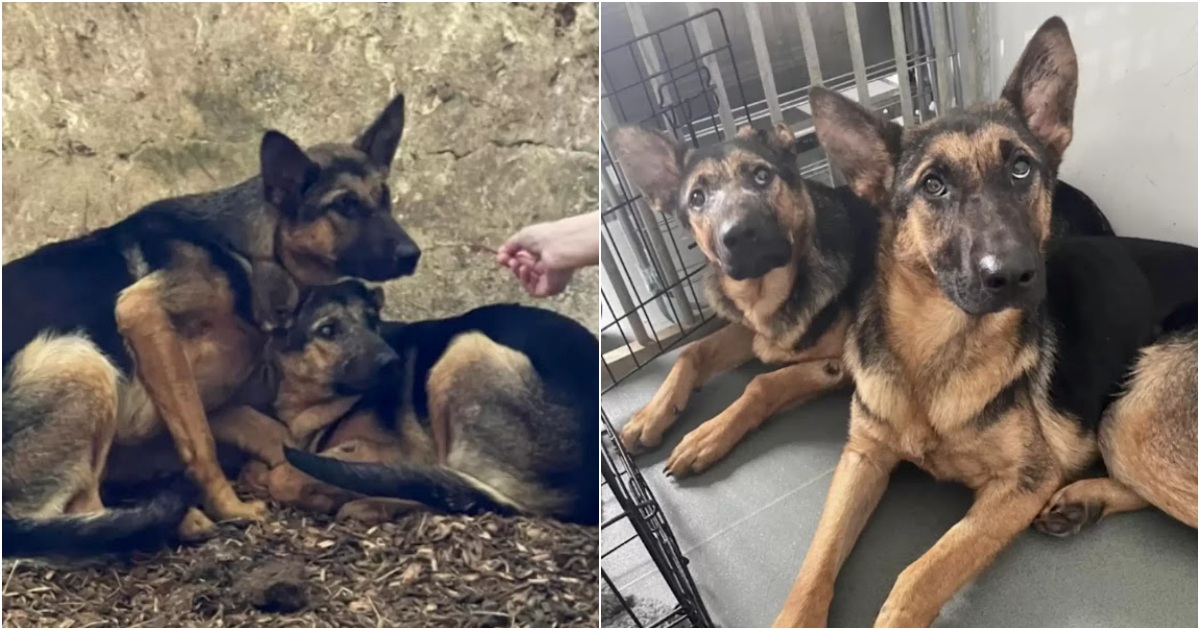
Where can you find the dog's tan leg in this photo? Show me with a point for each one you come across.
(701, 360)
(196, 527)
(858, 483)
(1001, 511)
(255, 434)
(164, 370)
(86, 502)
(766, 395)
(1086, 501)
(1148, 436)
(255, 477)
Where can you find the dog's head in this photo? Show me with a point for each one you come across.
(333, 347)
(743, 199)
(970, 191)
(335, 206)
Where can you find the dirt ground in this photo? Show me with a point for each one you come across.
(110, 106)
(421, 571)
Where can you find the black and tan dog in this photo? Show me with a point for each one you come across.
(492, 410)
(986, 354)
(789, 259)
(146, 324)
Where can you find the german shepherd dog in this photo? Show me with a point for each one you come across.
(789, 259)
(987, 355)
(148, 323)
(493, 410)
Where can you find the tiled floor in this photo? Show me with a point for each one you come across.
(746, 524)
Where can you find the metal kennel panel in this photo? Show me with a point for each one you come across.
(698, 72)
(680, 68)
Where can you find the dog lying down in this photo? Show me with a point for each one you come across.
(492, 410)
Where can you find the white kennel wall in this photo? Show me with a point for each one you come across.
(1134, 149)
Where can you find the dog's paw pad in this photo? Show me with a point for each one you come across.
(1064, 519)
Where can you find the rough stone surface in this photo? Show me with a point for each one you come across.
(110, 106)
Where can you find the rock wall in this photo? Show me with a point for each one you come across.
(110, 106)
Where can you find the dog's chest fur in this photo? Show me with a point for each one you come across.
(964, 398)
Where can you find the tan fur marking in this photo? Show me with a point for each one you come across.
(254, 433)
(463, 350)
(163, 368)
(1148, 436)
(760, 298)
(55, 364)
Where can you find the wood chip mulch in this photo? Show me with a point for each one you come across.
(424, 570)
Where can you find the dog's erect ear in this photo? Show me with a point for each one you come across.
(286, 172)
(376, 297)
(1042, 86)
(778, 138)
(652, 161)
(380, 140)
(858, 142)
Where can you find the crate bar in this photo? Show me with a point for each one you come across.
(669, 274)
(809, 40)
(658, 248)
(704, 43)
(613, 272)
(977, 49)
(854, 39)
(899, 49)
(763, 58)
(941, 43)
(645, 46)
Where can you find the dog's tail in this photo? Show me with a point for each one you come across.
(439, 488)
(118, 530)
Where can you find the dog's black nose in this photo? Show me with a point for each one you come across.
(406, 256)
(740, 235)
(1011, 271)
(387, 361)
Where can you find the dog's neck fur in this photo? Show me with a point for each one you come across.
(928, 333)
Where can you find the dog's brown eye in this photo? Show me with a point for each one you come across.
(933, 186)
(327, 331)
(349, 208)
(696, 199)
(762, 176)
(1021, 168)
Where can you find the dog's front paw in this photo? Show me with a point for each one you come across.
(196, 527)
(645, 429)
(703, 447)
(255, 478)
(238, 510)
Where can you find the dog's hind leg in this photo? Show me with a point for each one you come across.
(164, 370)
(700, 361)
(1148, 440)
(1083, 502)
(60, 417)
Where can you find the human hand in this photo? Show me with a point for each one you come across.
(544, 256)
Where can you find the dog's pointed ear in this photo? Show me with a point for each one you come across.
(376, 297)
(381, 139)
(286, 172)
(858, 142)
(652, 160)
(1042, 87)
